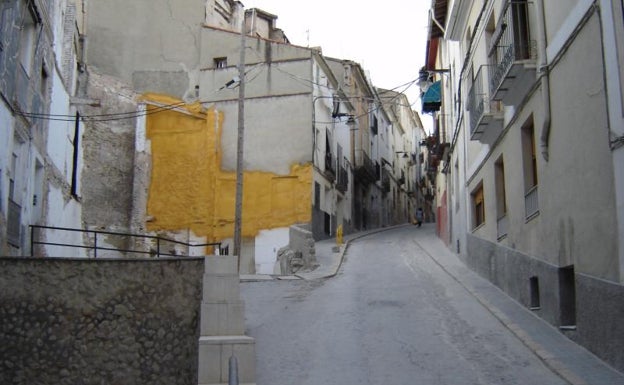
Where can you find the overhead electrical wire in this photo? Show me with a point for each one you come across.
(117, 115)
(167, 107)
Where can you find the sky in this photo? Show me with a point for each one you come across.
(387, 38)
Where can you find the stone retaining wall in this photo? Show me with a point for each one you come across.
(86, 321)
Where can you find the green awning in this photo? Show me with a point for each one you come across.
(432, 99)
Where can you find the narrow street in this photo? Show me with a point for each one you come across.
(392, 315)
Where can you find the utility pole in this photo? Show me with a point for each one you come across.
(239, 148)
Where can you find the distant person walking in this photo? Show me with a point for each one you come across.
(419, 216)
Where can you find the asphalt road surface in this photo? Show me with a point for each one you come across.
(392, 315)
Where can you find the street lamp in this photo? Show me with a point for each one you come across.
(425, 77)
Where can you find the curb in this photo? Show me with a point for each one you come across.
(345, 246)
(551, 362)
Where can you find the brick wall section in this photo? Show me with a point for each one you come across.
(85, 321)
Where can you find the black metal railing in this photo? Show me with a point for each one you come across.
(385, 182)
(364, 166)
(479, 101)
(158, 243)
(512, 41)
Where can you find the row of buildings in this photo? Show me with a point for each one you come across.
(530, 127)
(124, 120)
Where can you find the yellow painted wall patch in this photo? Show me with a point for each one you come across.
(188, 189)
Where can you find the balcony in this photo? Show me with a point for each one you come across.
(385, 182)
(486, 116)
(342, 183)
(365, 171)
(513, 54)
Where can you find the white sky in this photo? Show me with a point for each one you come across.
(387, 38)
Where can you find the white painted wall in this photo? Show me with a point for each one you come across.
(63, 213)
(59, 146)
(266, 246)
(613, 35)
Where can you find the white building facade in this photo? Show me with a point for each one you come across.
(534, 174)
(41, 158)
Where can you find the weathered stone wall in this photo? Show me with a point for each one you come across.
(86, 321)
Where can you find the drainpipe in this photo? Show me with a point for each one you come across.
(543, 76)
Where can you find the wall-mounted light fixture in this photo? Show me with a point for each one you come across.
(425, 77)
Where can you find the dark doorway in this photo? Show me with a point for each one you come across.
(567, 296)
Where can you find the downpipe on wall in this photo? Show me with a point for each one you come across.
(543, 73)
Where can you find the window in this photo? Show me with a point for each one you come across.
(220, 62)
(478, 204)
(529, 162)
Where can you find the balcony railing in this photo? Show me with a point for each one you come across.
(513, 53)
(365, 170)
(342, 182)
(100, 243)
(531, 203)
(385, 182)
(485, 114)
(14, 223)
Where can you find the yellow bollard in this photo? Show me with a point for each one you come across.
(339, 235)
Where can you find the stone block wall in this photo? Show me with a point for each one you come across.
(87, 321)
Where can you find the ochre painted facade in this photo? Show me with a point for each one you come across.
(188, 189)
